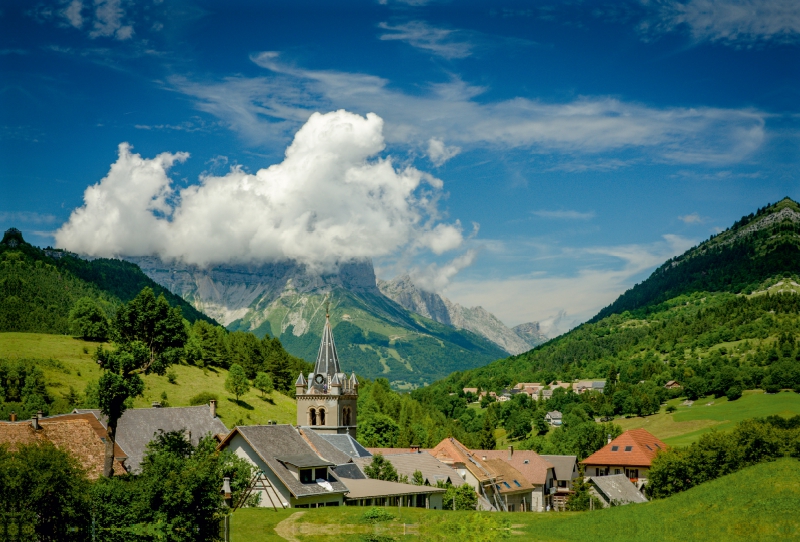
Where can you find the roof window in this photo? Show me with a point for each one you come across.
(506, 484)
(657, 446)
(615, 448)
(628, 448)
(518, 484)
(648, 447)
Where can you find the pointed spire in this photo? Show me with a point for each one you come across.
(301, 381)
(327, 359)
(336, 381)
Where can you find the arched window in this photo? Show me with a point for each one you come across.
(322, 416)
(346, 415)
(312, 417)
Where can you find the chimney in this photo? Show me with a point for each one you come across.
(609, 438)
(35, 422)
(13, 415)
(510, 452)
(212, 405)
(156, 404)
(415, 448)
(39, 414)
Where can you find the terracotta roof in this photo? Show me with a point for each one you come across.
(532, 466)
(635, 448)
(73, 433)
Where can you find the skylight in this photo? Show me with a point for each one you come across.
(648, 447)
(506, 484)
(615, 448)
(628, 448)
(518, 484)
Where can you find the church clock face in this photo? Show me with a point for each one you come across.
(319, 379)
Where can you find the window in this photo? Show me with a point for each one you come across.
(506, 484)
(518, 484)
(334, 503)
(615, 448)
(628, 448)
(617, 471)
(312, 417)
(648, 447)
(322, 416)
(321, 473)
(657, 446)
(511, 508)
(306, 476)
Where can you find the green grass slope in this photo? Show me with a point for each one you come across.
(67, 362)
(687, 423)
(757, 503)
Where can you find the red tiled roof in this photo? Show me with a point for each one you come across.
(643, 448)
(75, 434)
(451, 452)
(507, 478)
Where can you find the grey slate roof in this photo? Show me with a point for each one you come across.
(564, 465)
(617, 488)
(431, 468)
(273, 441)
(369, 489)
(349, 471)
(323, 448)
(347, 444)
(137, 427)
(302, 461)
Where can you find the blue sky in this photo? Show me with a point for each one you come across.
(534, 158)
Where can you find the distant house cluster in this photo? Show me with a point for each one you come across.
(539, 390)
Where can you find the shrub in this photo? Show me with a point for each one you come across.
(671, 409)
(734, 392)
(172, 377)
(203, 398)
(375, 515)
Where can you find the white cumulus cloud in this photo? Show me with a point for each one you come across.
(331, 199)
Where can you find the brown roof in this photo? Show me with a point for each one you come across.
(532, 466)
(391, 451)
(75, 434)
(635, 448)
(454, 454)
(508, 479)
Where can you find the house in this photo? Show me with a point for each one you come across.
(672, 385)
(630, 454)
(582, 386)
(536, 470)
(566, 470)
(511, 488)
(615, 490)
(292, 474)
(554, 418)
(407, 463)
(137, 427)
(81, 435)
(473, 391)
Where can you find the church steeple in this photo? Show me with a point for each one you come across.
(327, 359)
(327, 401)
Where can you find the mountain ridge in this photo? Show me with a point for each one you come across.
(404, 291)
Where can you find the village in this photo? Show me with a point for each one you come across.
(319, 463)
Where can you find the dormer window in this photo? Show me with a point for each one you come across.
(306, 476)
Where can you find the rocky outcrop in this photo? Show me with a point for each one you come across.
(475, 319)
(531, 333)
(230, 292)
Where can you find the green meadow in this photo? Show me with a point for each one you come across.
(757, 503)
(67, 362)
(687, 423)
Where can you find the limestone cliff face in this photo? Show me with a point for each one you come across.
(476, 319)
(229, 293)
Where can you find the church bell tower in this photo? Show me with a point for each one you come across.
(326, 401)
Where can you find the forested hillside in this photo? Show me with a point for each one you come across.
(38, 288)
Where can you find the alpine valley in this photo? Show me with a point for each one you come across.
(385, 329)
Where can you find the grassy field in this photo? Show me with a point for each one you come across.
(75, 368)
(758, 503)
(686, 424)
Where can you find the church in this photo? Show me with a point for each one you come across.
(327, 399)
